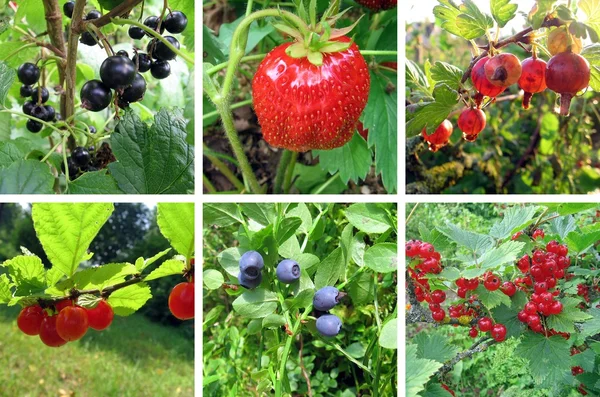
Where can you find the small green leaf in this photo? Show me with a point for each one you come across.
(316, 58)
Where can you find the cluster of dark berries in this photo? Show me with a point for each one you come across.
(63, 322)
(287, 272)
(81, 160)
(29, 75)
(86, 38)
(158, 54)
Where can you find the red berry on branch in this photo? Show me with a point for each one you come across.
(491, 283)
(485, 324)
(181, 301)
(471, 121)
(462, 293)
(440, 137)
(523, 316)
(438, 315)
(412, 248)
(481, 83)
(508, 288)
(530, 308)
(540, 287)
(72, 323)
(30, 319)
(567, 74)
(48, 334)
(100, 317)
(62, 304)
(538, 233)
(556, 308)
(532, 80)
(516, 235)
(498, 332)
(438, 296)
(473, 332)
(426, 250)
(503, 70)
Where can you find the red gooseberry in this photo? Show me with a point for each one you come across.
(181, 301)
(72, 323)
(100, 317)
(48, 333)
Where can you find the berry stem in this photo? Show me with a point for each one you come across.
(287, 183)
(222, 167)
(284, 161)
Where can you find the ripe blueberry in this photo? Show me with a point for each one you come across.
(117, 71)
(95, 96)
(35, 95)
(326, 298)
(164, 53)
(160, 70)
(251, 264)
(329, 325)
(175, 22)
(136, 33)
(142, 62)
(135, 92)
(249, 283)
(152, 23)
(26, 90)
(28, 73)
(288, 271)
(34, 126)
(68, 8)
(80, 156)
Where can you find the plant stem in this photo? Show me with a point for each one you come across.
(284, 161)
(290, 173)
(222, 167)
(236, 105)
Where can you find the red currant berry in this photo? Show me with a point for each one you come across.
(556, 308)
(461, 283)
(552, 246)
(48, 333)
(523, 316)
(426, 250)
(181, 301)
(473, 332)
(62, 304)
(462, 293)
(72, 323)
(438, 296)
(551, 282)
(485, 324)
(516, 235)
(30, 320)
(412, 248)
(546, 297)
(540, 287)
(524, 263)
(530, 308)
(508, 288)
(472, 284)
(491, 283)
(537, 272)
(498, 332)
(538, 256)
(562, 250)
(539, 233)
(438, 315)
(434, 307)
(100, 317)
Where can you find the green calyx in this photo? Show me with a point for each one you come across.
(313, 39)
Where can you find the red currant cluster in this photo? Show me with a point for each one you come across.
(465, 285)
(485, 324)
(584, 291)
(578, 371)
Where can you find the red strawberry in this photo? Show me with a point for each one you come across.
(301, 106)
(377, 5)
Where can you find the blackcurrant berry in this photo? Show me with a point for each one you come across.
(117, 71)
(175, 22)
(152, 23)
(136, 33)
(34, 126)
(160, 70)
(73, 169)
(28, 107)
(68, 8)
(151, 47)
(94, 14)
(81, 157)
(123, 53)
(51, 113)
(92, 129)
(135, 92)
(28, 73)
(35, 95)
(39, 112)
(95, 96)
(88, 39)
(26, 90)
(164, 53)
(142, 62)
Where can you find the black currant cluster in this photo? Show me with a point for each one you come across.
(29, 75)
(84, 159)
(86, 38)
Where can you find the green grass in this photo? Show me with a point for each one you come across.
(133, 357)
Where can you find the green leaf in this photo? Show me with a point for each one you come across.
(330, 269)
(213, 47)
(229, 259)
(503, 11)
(591, 327)
(176, 223)
(26, 177)
(273, 321)
(141, 264)
(287, 228)
(475, 242)
(579, 243)
(492, 299)
(515, 218)
(388, 338)
(5, 292)
(472, 22)
(7, 78)
(445, 73)
(128, 300)
(434, 346)
(382, 257)
(368, 218)
(27, 272)
(98, 182)
(353, 160)
(264, 214)
(563, 226)
(67, 230)
(154, 159)
(167, 268)
(258, 303)
(418, 371)
(221, 214)
(431, 114)
(546, 356)
(103, 276)
(301, 211)
(501, 255)
(9, 153)
(565, 321)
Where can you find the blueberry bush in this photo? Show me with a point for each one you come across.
(300, 299)
(502, 300)
(503, 94)
(96, 97)
(300, 97)
(62, 302)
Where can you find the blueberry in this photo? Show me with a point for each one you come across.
(142, 62)
(288, 271)
(117, 71)
(175, 22)
(329, 325)
(135, 92)
(94, 14)
(326, 298)
(81, 157)
(35, 94)
(136, 33)
(26, 90)
(251, 264)
(160, 70)
(68, 8)
(152, 23)
(28, 73)
(34, 126)
(249, 283)
(164, 53)
(95, 96)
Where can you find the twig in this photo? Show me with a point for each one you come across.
(480, 346)
(304, 373)
(118, 11)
